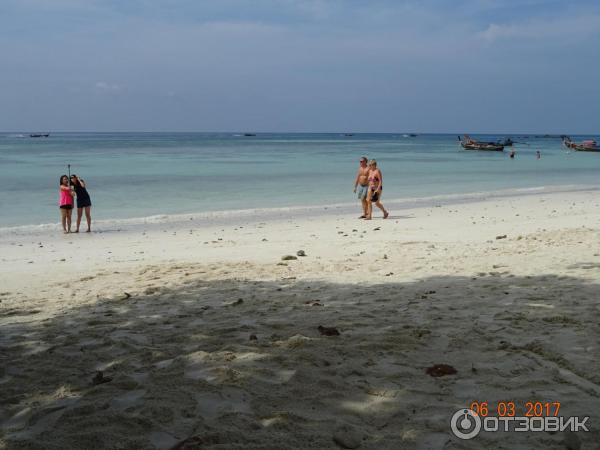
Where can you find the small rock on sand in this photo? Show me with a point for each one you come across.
(346, 437)
(289, 258)
(301, 253)
(502, 236)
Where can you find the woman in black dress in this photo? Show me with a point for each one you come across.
(83, 202)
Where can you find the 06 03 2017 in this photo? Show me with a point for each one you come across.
(515, 408)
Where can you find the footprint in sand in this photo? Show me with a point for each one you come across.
(162, 440)
(212, 405)
(127, 400)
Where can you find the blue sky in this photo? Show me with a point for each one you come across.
(300, 65)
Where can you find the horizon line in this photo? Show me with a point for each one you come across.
(553, 134)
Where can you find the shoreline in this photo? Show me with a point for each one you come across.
(36, 258)
(239, 216)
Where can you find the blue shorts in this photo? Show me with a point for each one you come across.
(362, 191)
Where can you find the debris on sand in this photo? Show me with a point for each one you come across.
(502, 236)
(289, 258)
(239, 301)
(301, 253)
(99, 378)
(328, 331)
(313, 303)
(440, 370)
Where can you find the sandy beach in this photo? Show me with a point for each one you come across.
(201, 336)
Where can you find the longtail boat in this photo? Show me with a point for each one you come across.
(470, 144)
(585, 146)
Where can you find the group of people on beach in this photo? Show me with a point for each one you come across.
(369, 185)
(71, 188)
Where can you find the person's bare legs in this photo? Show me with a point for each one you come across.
(79, 214)
(88, 218)
(63, 219)
(369, 204)
(380, 206)
(365, 206)
(69, 218)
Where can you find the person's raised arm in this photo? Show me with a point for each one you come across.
(69, 189)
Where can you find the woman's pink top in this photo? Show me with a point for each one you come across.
(65, 197)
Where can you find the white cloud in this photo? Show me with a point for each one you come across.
(103, 86)
(564, 27)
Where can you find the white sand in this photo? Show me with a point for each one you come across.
(517, 318)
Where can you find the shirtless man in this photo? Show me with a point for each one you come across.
(362, 179)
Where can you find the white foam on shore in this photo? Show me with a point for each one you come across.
(232, 217)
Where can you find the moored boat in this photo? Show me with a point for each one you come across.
(39, 135)
(588, 145)
(470, 144)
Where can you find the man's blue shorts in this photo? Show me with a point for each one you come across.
(362, 191)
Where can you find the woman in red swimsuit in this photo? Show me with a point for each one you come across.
(65, 203)
(375, 188)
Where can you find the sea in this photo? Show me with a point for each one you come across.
(157, 176)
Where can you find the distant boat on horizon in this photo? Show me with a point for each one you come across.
(39, 135)
(249, 134)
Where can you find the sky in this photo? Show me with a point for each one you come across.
(498, 66)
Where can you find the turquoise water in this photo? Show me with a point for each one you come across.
(145, 174)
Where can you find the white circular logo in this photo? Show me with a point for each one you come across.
(465, 424)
